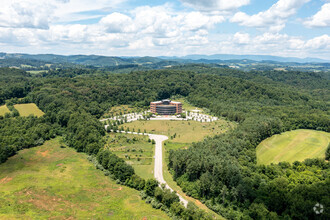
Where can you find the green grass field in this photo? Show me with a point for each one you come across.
(186, 131)
(3, 110)
(50, 182)
(135, 150)
(28, 109)
(291, 146)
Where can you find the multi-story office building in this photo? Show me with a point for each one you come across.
(166, 107)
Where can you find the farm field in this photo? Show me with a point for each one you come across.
(3, 110)
(28, 109)
(291, 146)
(186, 131)
(135, 150)
(54, 182)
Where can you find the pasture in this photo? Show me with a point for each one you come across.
(3, 110)
(56, 182)
(291, 146)
(135, 150)
(29, 109)
(182, 131)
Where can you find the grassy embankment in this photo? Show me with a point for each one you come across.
(3, 110)
(291, 146)
(28, 109)
(53, 182)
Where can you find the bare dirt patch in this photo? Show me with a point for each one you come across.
(43, 154)
(5, 180)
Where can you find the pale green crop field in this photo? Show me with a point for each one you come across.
(3, 110)
(29, 109)
(291, 146)
(50, 182)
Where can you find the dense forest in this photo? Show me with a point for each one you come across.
(220, 171)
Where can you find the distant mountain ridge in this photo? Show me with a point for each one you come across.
(123, 60)
(250, 57)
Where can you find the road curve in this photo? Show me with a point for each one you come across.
(158, 169)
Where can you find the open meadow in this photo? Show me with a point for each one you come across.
(3, 110)
(135, 150)
(28, 109)
(181, 131)
(291, 146)
(53, 181)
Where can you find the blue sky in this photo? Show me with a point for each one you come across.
(298, 28)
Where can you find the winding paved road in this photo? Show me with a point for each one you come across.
(158, 170)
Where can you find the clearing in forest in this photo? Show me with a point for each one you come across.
(50, 181)
(181, 131)
(28, 109)
(291, 146)
(3, 110)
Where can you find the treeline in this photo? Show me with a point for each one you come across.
(14, 83)
(24, 132)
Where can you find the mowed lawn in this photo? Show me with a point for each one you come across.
(186, 131)
(29, 109)
(3, 110)
(291, 146)
(58, 183)
(135, 150)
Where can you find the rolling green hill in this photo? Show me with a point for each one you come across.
(50, 181)
(293, 146)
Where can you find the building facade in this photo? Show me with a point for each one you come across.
(166, 107)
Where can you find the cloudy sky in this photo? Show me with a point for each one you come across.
(299, 28)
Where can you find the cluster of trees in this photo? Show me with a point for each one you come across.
(24, 132)
(221, 171)
(13, 83)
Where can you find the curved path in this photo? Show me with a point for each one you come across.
(158, 170)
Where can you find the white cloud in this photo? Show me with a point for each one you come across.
(273, 19)
(39, 14)
(215, 5)
(117, 23)
(241, 38)
(321, 18)
(26, 14)
(146, 30)
(321, 42)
